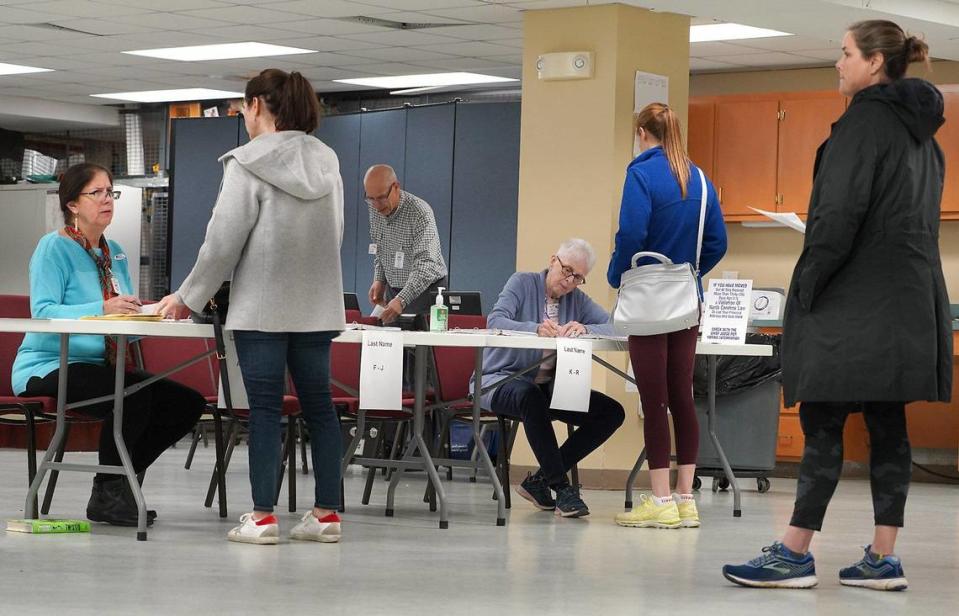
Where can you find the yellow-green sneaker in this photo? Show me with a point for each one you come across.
(650, 515)
(688, 514)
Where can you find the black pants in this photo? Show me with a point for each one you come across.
(890, 460)
(153, 418)
(530, 403)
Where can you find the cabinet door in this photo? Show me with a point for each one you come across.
(699, 135)
(948, 138)
(805, 124)
(744, 168)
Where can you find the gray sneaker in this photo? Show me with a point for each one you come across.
(535, 489)
(569, 504)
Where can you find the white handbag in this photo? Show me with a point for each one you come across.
(661, 297)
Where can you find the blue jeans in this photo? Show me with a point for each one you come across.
(263, 358)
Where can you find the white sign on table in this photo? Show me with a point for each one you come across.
(381, 370)
(237, 388)
(574, 374)
(727, 311)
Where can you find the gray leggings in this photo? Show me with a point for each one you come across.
(890, 460)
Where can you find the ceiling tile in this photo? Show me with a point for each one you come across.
(250, 32)
(33, 33)
(394, 68)
(468, 48)
(703, 64)
(329, 8)
(176, 5)
(17, 15)
(421, 5)
(483, 32)
(243, 15)
(830, 55)
(485, 13)
(398, 54)
(330, 27)
(790, 43)
(103, 27)
(85, 8)
(168, 21)
(763, 59)
(400, 38)
(465, 64)
(330, 43)
(717, 48)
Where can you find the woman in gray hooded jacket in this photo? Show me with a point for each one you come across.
(276, 231)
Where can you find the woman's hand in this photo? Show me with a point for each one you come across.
(170, 306)
(121, 304)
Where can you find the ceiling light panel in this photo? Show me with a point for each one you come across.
(164, 96)
(423, 81)
(729, 32)
(18, 69)
(223, 51)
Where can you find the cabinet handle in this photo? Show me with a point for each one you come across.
(720, 194)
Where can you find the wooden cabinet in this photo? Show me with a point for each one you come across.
(805, 122)
(761, 148)
(699, 135)
(948, 138)
(744, 163)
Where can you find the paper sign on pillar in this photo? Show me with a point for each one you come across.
(726, 313)
(574, 374)
(381, 370)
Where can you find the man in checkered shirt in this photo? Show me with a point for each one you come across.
(407, 257)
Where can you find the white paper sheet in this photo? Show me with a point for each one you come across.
(786, 219)
(726, 314)
(149, 308)
(574, 374)
(381, 370)
(377, 311)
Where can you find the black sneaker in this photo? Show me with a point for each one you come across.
(569, 504)
(109, 504)
(535, 489)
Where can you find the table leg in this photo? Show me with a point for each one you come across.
(30, 508)
(419, 419)
(710, 414)
(118, 438)
(479, 446)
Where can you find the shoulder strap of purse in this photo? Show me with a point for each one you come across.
(221, 356)
(702, 217)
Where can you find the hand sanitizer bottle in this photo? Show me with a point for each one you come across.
(438, 313)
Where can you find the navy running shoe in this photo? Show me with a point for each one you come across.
(875, 572)
(776, 567)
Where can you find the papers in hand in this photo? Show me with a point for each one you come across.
(149, 308)
(786, 219)
(363, 326)
(377, 311)
(123, 317)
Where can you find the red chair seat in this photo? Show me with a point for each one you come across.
(46, 405)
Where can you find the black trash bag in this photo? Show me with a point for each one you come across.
(739, 373)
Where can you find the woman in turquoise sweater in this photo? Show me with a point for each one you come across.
(76, 272)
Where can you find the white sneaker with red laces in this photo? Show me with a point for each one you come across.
(325, 529)
(265, 531)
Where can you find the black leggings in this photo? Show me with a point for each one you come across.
(890, 460)
(153, 418)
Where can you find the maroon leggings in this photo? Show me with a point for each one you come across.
(663, 365)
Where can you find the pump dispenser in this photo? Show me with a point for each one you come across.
(439, 313)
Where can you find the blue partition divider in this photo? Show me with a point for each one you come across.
(342, 134)
(195, 175)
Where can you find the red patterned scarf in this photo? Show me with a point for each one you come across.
(106, 281)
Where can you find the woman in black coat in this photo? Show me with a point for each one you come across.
(867, 325)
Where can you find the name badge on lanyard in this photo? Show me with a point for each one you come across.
(115, 283)
(399, 259)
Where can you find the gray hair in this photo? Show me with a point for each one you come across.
(576, 248)
(390, 173)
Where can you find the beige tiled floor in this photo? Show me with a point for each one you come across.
(537, 564)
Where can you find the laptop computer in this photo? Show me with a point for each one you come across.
(461, 302)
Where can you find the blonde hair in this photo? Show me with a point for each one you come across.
(659, 121)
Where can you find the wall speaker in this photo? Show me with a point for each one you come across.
(565, 65)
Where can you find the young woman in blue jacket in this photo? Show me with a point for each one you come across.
(660, 213)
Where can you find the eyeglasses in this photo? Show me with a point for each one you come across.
(374, 200)
(569, 273)
(101, 194)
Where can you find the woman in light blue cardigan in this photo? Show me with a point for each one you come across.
(77, 272)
